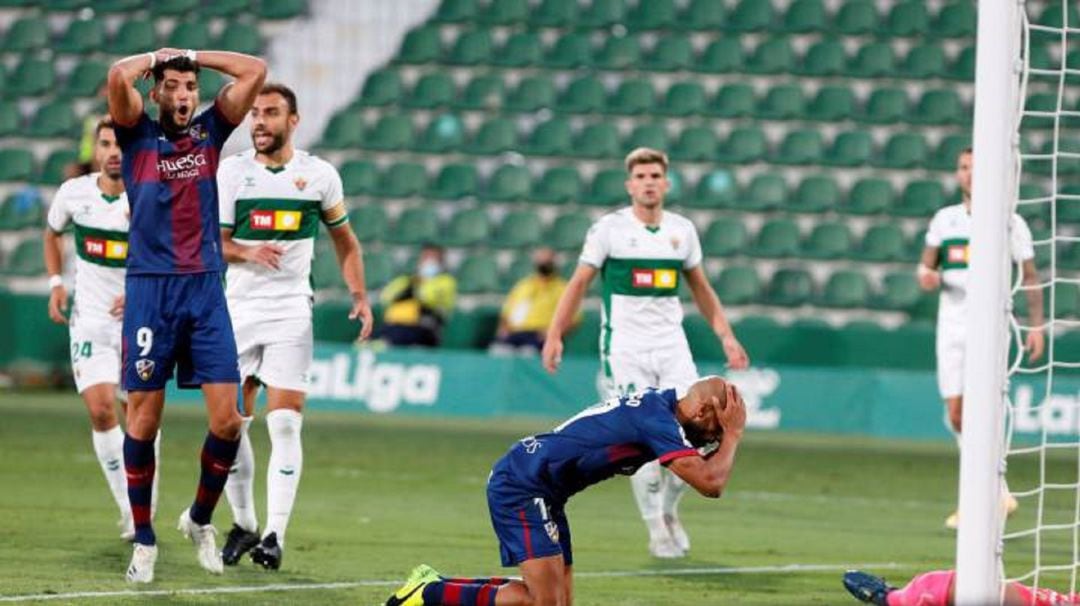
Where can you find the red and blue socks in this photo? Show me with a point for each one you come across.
(218, 456)
(139, 465)
(463, 591)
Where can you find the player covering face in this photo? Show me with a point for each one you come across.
(530, 485)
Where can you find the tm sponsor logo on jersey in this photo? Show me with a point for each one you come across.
(183, 167)
(276, 220)
(383, 386)
(654, 278)
(105, 249)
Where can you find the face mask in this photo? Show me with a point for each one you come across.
(545, 269)
(429, 269)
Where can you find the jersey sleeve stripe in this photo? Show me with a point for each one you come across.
(677, 454)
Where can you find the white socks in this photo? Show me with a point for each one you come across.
(109, 448)
(240, 488)
(157, 475)
(646, 484)
(283, 471)
(672, 488)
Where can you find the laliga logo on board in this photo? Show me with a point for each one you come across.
(383, 386)
(1056, 413)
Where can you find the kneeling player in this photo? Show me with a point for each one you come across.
(530, 485)
(938, 589)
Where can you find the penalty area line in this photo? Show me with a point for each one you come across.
(278, 587)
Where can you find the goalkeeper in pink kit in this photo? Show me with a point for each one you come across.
(937, 589)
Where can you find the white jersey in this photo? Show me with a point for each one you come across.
(950, 232)
(281, 205)
(641, 268)
(100, 224)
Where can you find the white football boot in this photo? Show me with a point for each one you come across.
(204, 537)
(141, 568)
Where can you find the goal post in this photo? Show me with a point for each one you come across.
(994, 187)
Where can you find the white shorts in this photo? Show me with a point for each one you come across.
(95, 351)
(276, 351)
(636, 370)
(950, 347)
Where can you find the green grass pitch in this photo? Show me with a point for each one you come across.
(381, 494)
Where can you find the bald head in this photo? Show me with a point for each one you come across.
(700, 409)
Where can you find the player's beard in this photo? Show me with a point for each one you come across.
(277, 141)
(169, 122)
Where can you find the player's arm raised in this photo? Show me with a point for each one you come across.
(709, 474)
(125, 101)
(708, 303)
(54, 261)
(565, 314)
(235, 99)
(351, 259)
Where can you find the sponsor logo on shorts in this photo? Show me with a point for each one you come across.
(654, 278)
(552, 530)
(144, 367)
(278, 220)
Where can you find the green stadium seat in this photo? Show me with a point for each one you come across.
(650, 135)
(886, 106)
(10, 119)
(921, 198)
(570, 51)
(632, 97)
(852, 148)
(904, 150)
(226, 8)
(869, 196)
(133, 36)
(82, 36)
(509, 183)
(378, 269)
(772, 56)
(453, 182)
(210, 82)
(31, 78)
(175, 7)
(825, 58)
(443, 134)
(421, 45)
(240, 37)
(435, 89)
(917, 244)
(734, 100)
(906, 19)
(551, 138)
(86, 79)
(520, 267)
(695, 144)
(1066, 300)
(522, 49)
(519, 228)
(764, 192)
(567, 232)
(26, 260)
(944, 156)
(402, 180)
(673, 52)
(189, 34)
(345, 129)
(531, 94)
(805, 17)
(925, 61)
(20, 211)
(558, 185)
(415, 226)
(493, 137)
(800, 147)
(832, 103)
(790, 287)
(782, 102)
(117, 6)
(829, 240)
(456, 11)
(1040, 102)
(722, 56)
(883, 242)
(684, 99)
(815, 194)
(745, 145)
(618, 53)
(54, 119)
(872, 60)
(702, 15)
(715, 189)
(279, 10)
(602, 14)
(554, 13)
(899, 292)
(751, 16)
(725, 237)
(1039, 208)
(856, 18)
(369, 222)
(846, 289)
(481, 93)
(956, 20)
(390, 133)
(940, 107)
(477, 274)
(675, 186)
(582, 96)
(466, 228)
(738, 285)
(358, 177)
(655, 14)
(472, 47)
(26, 34)
(504, 12)
(963, 66)
(608, 188)
(598, 140)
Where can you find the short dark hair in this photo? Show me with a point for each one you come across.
(287, 93)
(178, 63)
(105, 122)
(966, 150)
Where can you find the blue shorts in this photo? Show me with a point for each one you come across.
(528, 526)
(177, 321)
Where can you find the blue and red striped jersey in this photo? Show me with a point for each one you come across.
(172, 190)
